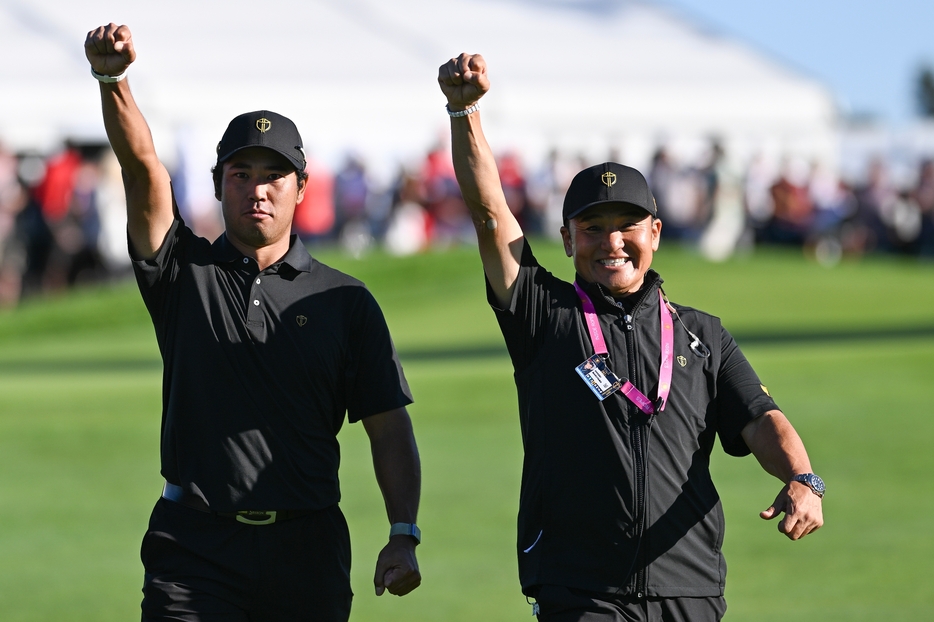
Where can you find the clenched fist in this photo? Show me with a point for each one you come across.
(110, 49)
(463, 80)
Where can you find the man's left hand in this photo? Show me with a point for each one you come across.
(397, 568)
(803, 511)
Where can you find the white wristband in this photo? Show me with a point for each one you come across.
(108, 79)
(462, 113)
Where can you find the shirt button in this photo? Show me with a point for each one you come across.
(256, 303)
(245, 260)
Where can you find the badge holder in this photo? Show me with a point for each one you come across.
(601, 380)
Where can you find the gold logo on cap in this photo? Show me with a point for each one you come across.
(263, 124)
(301, 320)
(608, 179)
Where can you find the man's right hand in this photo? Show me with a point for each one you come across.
(463, 80)
(110, 49)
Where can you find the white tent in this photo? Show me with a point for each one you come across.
(589, 76)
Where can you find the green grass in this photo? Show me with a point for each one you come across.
(79, 418)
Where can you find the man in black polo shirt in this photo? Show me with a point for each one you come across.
(621, 396)
(264, 350)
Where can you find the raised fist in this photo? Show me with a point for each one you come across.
(463, 80)
(110, 49)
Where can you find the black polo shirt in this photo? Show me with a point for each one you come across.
(611, 500)
(260, 368)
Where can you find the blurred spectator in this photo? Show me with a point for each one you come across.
(545, 193)
(67, 199)
(924, 199)
(875, 201)
(661, 178)
(32, 232)
(193, 184)
(13, 200)
(315, 216)
(793, 211)
(680, 198)
(111, 209)
(512, 179)
(407, 228)
(449, 219)
(351, 192)
(758, 196)
(834, 206)
(727, 216)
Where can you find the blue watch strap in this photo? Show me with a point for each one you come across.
(406, 529)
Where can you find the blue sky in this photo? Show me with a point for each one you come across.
(867, 52)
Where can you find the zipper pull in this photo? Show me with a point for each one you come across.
(628, 319)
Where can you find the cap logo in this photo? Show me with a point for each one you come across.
(263, 125)
(608, 179)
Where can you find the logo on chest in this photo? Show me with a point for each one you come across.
(301, 320)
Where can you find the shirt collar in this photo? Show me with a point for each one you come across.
(296, 257)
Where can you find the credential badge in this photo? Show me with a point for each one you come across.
(263, 125)
(608, 179)
(301, 320)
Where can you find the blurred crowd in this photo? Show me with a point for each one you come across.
(62, 216)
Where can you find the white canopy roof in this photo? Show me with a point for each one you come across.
(589, 76)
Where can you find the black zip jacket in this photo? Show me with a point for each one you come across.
(613, 500)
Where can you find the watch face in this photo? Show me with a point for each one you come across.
(814, 481)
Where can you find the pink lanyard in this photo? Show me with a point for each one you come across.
(664, 371)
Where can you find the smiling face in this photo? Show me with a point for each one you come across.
(259, 190)
(613, 244)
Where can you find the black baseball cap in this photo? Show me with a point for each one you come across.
(263, 128)
(608, 183)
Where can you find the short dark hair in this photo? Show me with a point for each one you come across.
(218, 170)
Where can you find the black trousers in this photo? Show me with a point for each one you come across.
(561, 604)
(205, 568)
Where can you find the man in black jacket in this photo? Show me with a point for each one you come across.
(621, 395)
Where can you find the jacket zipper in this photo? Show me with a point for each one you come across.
(638, 468)
(639, 457)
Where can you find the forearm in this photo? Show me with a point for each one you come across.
(148, 189)
(498, 232)
(477, 175)
(396, 464)
(777, 446)
(127, 130)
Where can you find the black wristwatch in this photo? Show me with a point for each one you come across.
(815, 483)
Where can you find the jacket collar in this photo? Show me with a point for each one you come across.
(600, 296)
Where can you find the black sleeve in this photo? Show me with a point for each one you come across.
(155, 276)
(741, 396)
(373, 377)
(523, 320)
